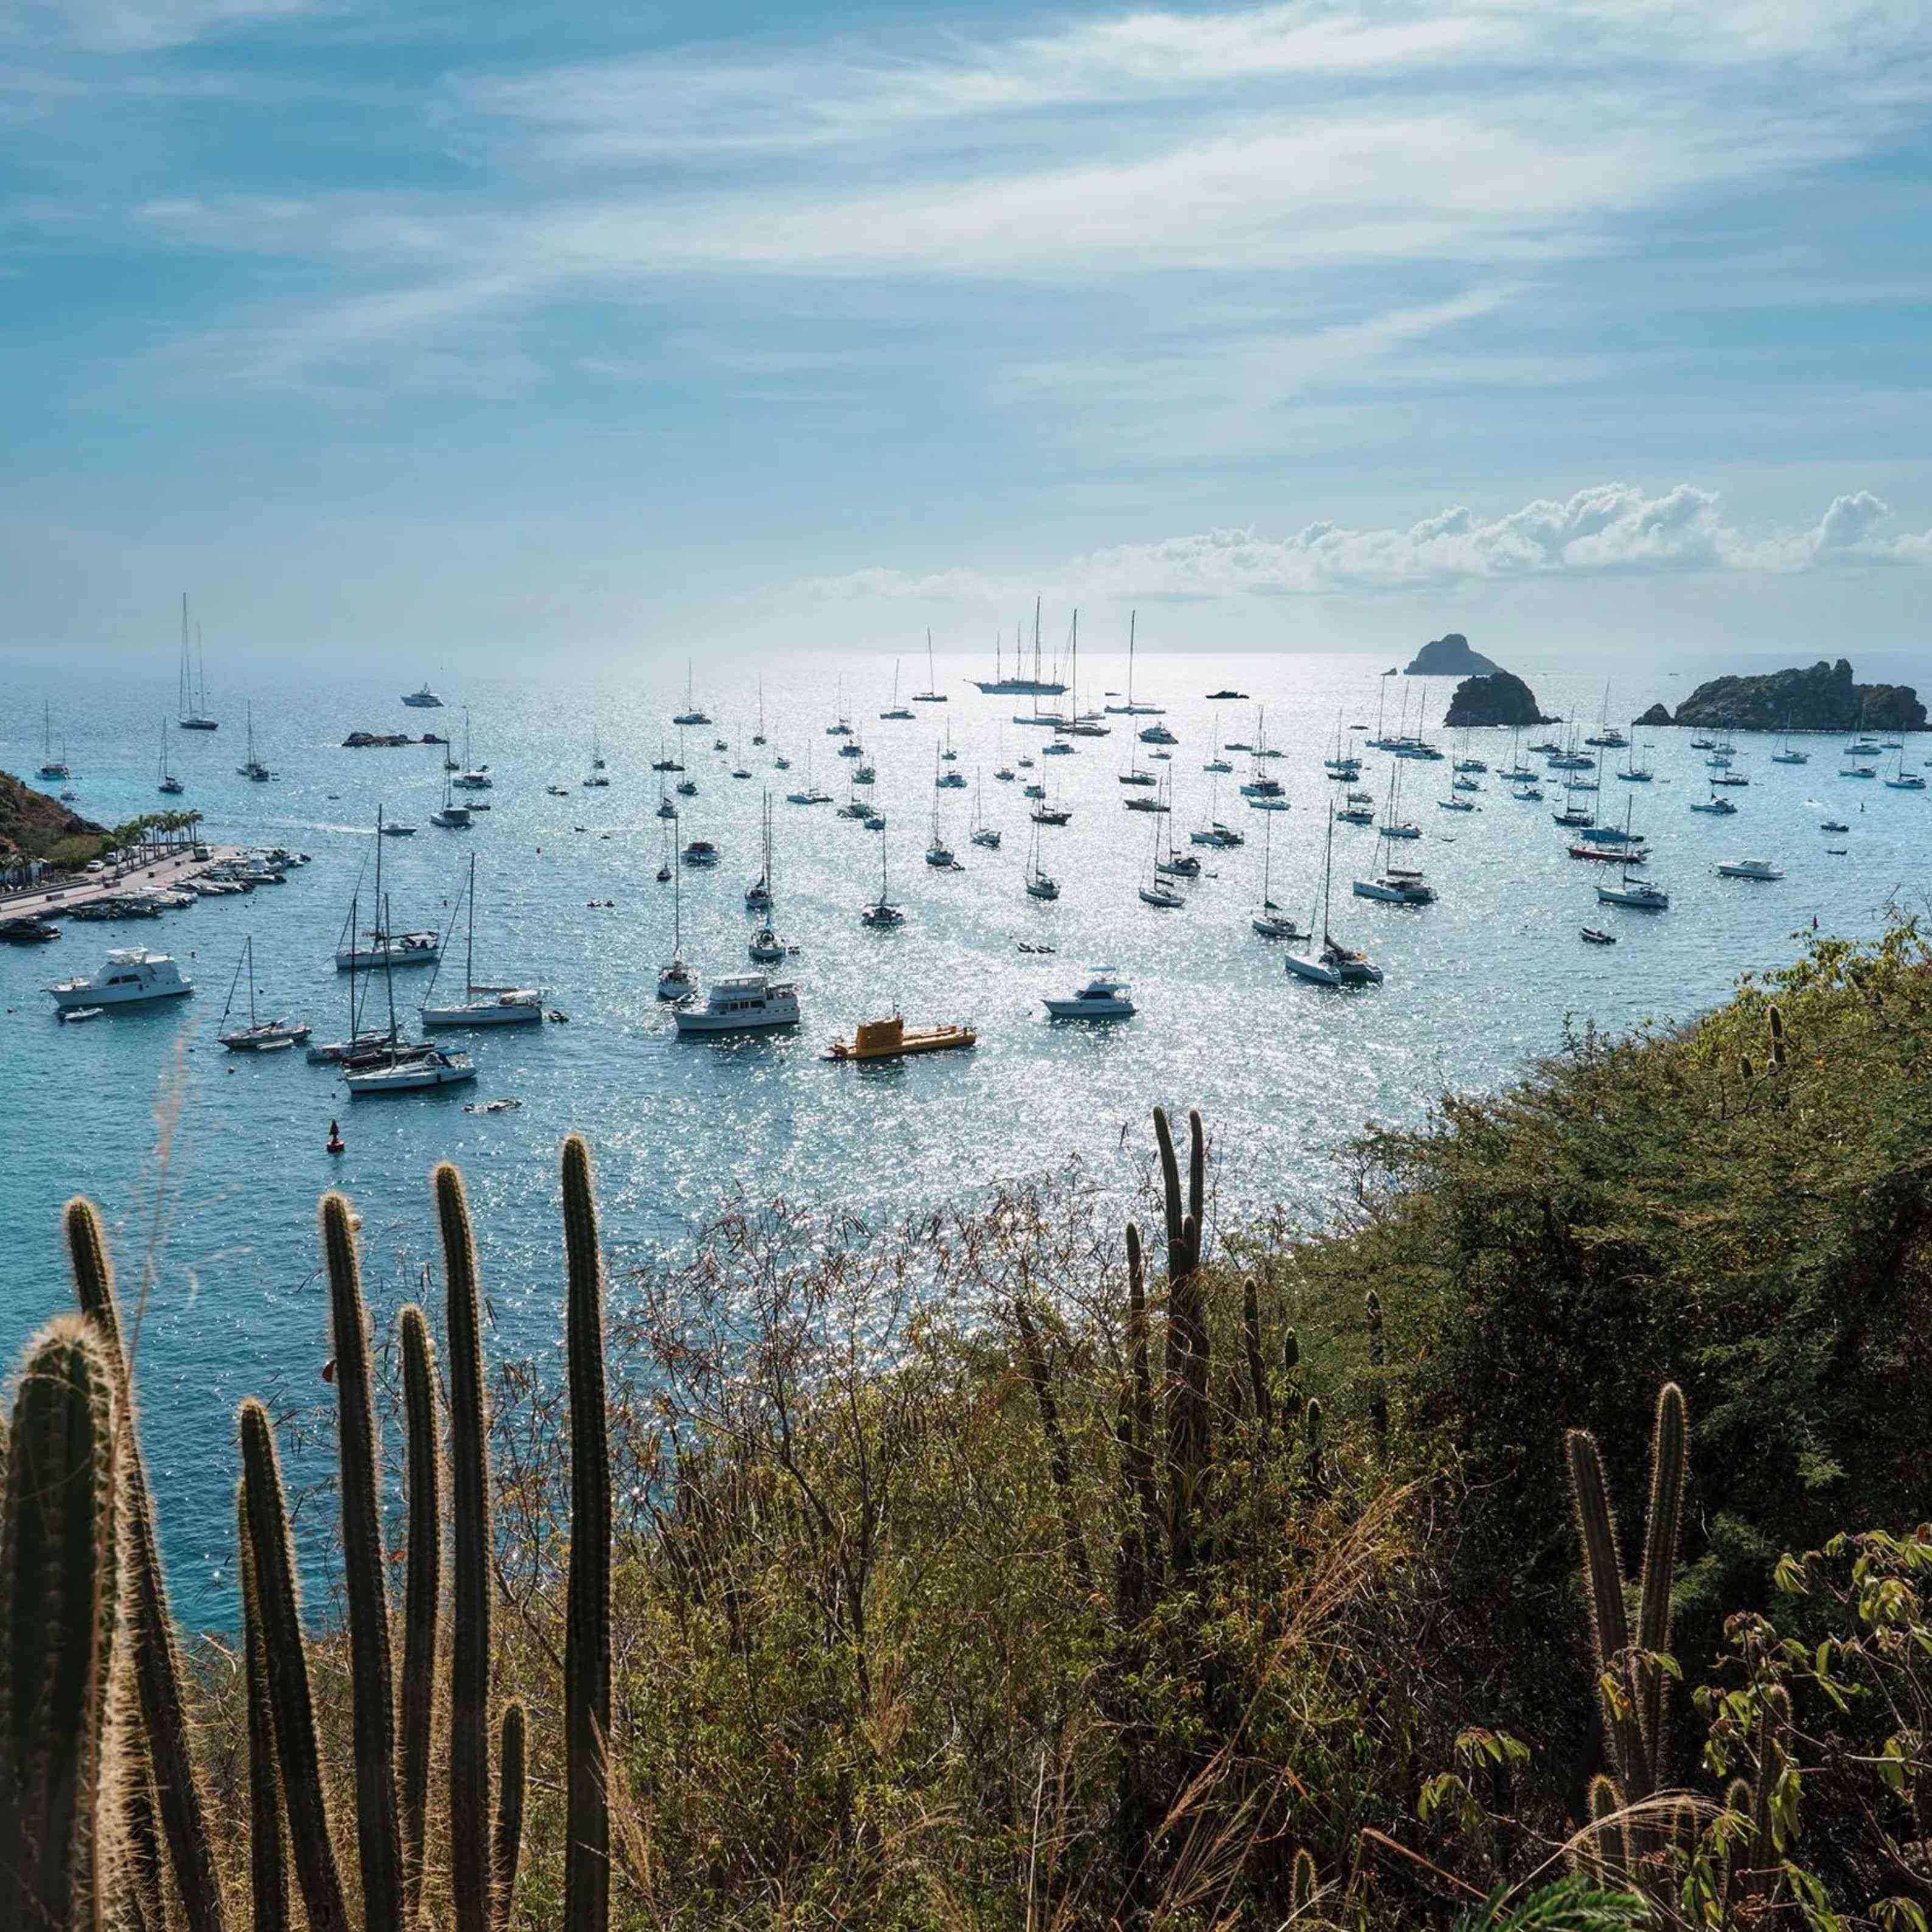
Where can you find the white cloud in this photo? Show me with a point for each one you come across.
(1614, 528)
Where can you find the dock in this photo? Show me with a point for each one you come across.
(157, 870)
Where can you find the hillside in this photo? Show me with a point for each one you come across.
(32, 823)
(1823, 698)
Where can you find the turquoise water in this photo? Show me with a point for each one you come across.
(209, 1166)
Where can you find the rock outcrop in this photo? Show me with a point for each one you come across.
(387, 741)
(1499, 698)
(1657, 714)
(1450, 656)
(1824, 698)
(32, 823)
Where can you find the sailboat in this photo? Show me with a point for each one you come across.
(399, 1068)
(353, 1044)
(982, 833)
(1157, 893)
(1019, 685)
(1392, 826)
(1130, 709)
(1633, 773)
(1784, 754)
(687, 786)
(1271, 922)
(596, 777)
(192, 714)
(766, 948)
(939, 854)
(472, 777)
(168, 783)
(482, 1006)
(882, 913)
(676, 981)
(51, 767)
(931, 695)
(758, 736)
(385, 948)
(1335, 964)
(251, 766)
(897, 710)
(809, 793)
(259, 1036)
(1039, 885)
(693, 713)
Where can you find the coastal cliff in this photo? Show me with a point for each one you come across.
(1826, 697)
(1500, 698)
(32, 823)
(1450, 656)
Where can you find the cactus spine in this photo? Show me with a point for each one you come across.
(266, 1515)
(586, 1668)
(421, 1587)
(157, 1661)
(58, 1607)
(378, 1839)
(268, 1868)
(469, 1603)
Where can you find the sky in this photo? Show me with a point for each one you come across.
(1332, 324)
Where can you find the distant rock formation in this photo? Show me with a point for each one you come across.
(1824, 698)
(32, 823)
(1499, 698)
(387, 741)
(1450, 656)
(1657, 714)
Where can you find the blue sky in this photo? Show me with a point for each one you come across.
(1315, 325)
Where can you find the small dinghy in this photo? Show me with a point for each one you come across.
(1593, 937)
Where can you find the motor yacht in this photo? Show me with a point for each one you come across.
(423, 699)
(1717, 808)
(700, 852)
(741, 1003)
(1749, 869)
(28, 929)
(1104, 996)
(130, 977)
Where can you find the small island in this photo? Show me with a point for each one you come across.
(387, 741)
(1501, 697)
(1826, 697)
(1450, 656)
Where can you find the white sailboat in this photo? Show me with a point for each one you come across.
(766, 948)
(192, 714)
(1157, 891)
(472, 777)
(931, 695)
(1335, 964)
(1130, 709)
(693, 713)
(676, 980)
(259, 1036)
(400, 1069)
(897, 710)
(882, 913)
(167, 782)
(384, 948)
(481, 1005)
(251, 767)
(982, 833)
(1271, 922)
(1040, 885)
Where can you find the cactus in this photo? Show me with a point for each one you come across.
(1315, 1468)
(266, 1515)
(1140, 1373)
(157, 1662)
(378, 1838)
(586, 1667)
(422, 1587)
(1251, 1334)
(1378, 1392)
(507, 1841)
(1061, 1457)
(1302, 1884)
(267, 1865)
(59, 1605)
(469, 1604)
(1774, 1020)
(1188, 1432)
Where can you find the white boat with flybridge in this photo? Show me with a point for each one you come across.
(1748, 868)
(1335, 965)
(131, 975)
(1105, 996)
(259, 1036)
(423, 699)
(741, 1003)
(480, 1005)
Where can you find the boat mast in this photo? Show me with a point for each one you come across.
(469, 943)
(1131, 615)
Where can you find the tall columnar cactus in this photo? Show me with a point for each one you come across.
(470, 1600)
(59, 1606)
(266, 1515)
(1140, 1373)
(586, 1667)
(1633, 1677)
(1187, 1339)
(157, 1664)
(378, 1839)
(268, 1864)
(1378, 1361)
(507, 1841)
(1060, 1455)
(421, 1591)
(1251, 1337)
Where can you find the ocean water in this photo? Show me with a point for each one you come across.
(209, 1165)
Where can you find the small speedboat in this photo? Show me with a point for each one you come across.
(1832, 825)
(1591, 937)
(1748, 868)
(71, 1014)
(1104, 996)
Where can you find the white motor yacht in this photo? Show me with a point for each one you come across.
(741, 1002)
(402, 1071)
(1104, 996)
(1748, 868)
(132, 976)
(423, 699)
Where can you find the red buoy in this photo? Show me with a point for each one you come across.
(335, 1142)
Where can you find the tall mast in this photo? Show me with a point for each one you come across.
(389, 980)
(1131, 615)
(1036, 641)
(469, 947)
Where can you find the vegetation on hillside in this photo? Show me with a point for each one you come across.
(1538, 1545)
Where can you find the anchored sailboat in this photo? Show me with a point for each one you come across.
(481, 1005)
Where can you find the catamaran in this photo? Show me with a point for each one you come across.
(882, 913)
(480, 1005)
(192, 713)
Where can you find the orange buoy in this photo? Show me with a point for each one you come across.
(328, 1369)
(335, 1142)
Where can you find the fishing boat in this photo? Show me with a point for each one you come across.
(693, 712)
(1335, 964)
(882, 914)
(740, 1002)
(167, 782)
(481, 1005)
(423, 699)
(130, 977)
(1105, 996)
(931, 695)
(192, 714)
(259, 1036)
(891, 1039)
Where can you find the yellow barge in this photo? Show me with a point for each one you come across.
(893, 1039)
